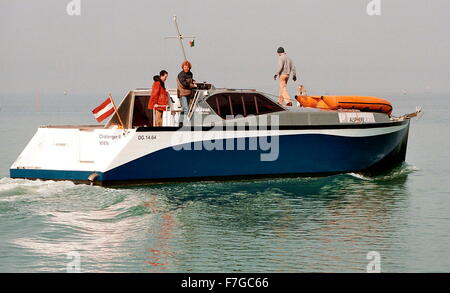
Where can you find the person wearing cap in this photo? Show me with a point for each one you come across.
(284, 70)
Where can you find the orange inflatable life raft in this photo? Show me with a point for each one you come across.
(364, 104)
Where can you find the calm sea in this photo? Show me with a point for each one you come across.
(325, 224)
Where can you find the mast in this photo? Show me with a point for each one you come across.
(180, 37)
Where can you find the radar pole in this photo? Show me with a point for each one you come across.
(180, 37)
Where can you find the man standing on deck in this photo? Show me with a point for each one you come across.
(185, 85)
(285, 68)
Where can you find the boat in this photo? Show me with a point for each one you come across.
(230, 134)
(226, 134)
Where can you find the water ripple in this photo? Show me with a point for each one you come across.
(289, 224)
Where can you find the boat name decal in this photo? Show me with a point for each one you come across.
(356, 117)
(105, 139)
(107, 136)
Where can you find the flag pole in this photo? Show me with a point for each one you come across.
(115, 110)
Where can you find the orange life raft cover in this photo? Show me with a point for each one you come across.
(365, 104)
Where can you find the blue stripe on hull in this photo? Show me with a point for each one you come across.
(50, 174)
(298, 154)
(306, 153)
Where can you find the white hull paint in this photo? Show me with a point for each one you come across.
(100, 150)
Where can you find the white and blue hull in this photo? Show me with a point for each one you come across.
(150, 154)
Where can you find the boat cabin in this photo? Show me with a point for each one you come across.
(224, 104)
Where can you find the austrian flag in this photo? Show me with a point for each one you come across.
(104, 110)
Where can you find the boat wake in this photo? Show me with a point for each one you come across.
(398, 172)
(17, 187)
(69, 197)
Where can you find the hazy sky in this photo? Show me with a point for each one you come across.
(114, 46)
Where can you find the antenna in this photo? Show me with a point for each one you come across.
(180, 37)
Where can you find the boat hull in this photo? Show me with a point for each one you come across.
(150, 155)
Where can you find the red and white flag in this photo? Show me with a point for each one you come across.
(104, 110)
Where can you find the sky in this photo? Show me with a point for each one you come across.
(115, 46)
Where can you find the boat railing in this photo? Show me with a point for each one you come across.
(80, 127)
(193, 104)
(418, 113)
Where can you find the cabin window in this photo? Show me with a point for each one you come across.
(141, 115)
(244, 104)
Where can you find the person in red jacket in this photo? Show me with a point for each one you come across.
(158, 97)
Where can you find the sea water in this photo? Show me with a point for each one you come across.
(329, 224)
